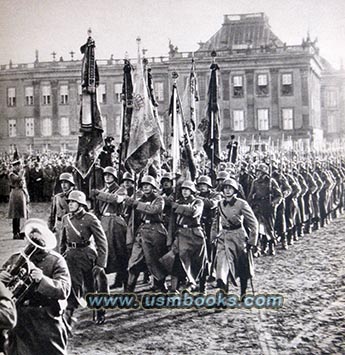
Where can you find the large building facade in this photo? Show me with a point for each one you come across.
(268, 90)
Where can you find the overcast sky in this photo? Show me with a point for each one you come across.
(61, 25)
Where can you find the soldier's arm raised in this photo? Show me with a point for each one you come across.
(155, 207)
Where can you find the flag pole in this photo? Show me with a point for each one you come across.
(213, 55)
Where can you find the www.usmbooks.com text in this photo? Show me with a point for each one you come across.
(184, 300)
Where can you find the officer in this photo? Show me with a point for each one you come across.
(19, 197)
(150, 241)
(110, 208)
(59, 205)
(86, 264)
(233, 241)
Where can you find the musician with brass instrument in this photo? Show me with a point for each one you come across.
(39, 280)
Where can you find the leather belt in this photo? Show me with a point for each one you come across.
(74, 245)
(108, 214)
(231, 228)
(188, 226)
(147, 221)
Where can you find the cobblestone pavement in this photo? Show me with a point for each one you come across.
(310, 276)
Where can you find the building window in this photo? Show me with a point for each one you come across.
(238, 123)
(64, 94)
(202, 87)
(64, 126)
(12, 128)
(104, 124)
(118, 92)
(159, 91)
(46, 126)
(237, 83)
(101, 93)
(29, 95)
(29, 127)
(331, 98)
(79, 91)
(263, 119)
(287, 87)
(11, 97)
(287, 116)
(46, 92)
(331, 122)
(118, 126)
(262, 85)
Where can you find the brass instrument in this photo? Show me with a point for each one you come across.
(40, 238)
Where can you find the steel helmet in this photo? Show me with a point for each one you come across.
(148, 179)
(166, 176)
(230, 182)
(222, 175)
(77, 196)
(187, 184)
(127, 176)
(263, 167)
(110, 170)
(67, 177)
(204, 179)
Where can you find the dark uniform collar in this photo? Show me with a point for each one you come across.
(148, 198)
(231, 202)
(80, 213)
(113, 186)
(185, 201)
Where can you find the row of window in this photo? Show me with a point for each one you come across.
(64, 94)
(46, 127)
(262, 85)
(263, 122)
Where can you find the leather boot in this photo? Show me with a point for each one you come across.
(271, 248)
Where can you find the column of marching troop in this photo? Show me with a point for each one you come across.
(186, 235)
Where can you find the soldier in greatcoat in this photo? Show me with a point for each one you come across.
(59, 206)
(19, 197)
(150, 241)
(232, 260)
(264, 197)
(110, 206)
(86, 261)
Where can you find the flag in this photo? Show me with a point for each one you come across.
(127, 109)
(144, 134)
(212, 132)
(189, 101)
(90, 140)
(182, 151)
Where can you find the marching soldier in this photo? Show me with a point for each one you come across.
(150, 242)
(86, 264)
(59, 205)
(308, 203)
(167, 193)
(40, 327)
(233, 242)
(187, 257)
(210, 200)
(264, 197)
(110, 208)
(280, 222)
